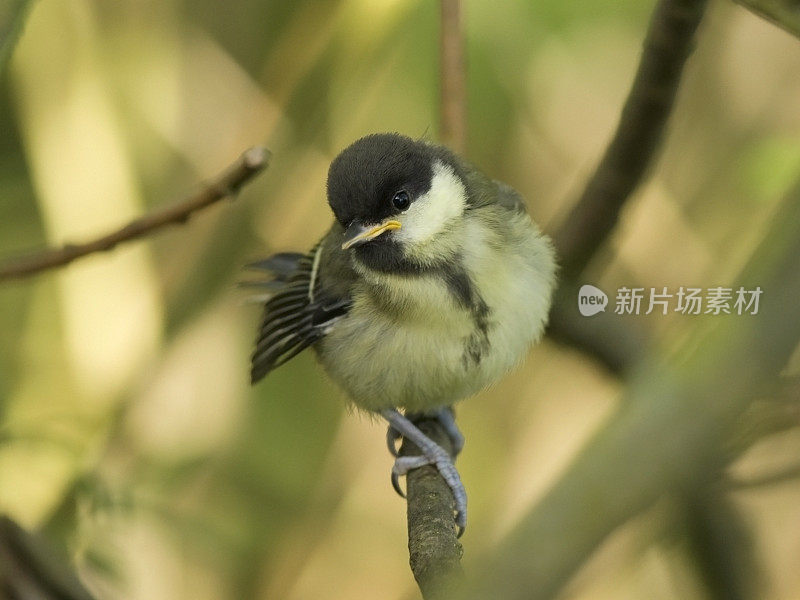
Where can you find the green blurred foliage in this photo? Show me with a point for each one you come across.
(157, 467)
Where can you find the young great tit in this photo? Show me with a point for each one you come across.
(431, 284)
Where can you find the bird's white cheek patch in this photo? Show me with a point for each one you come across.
(429, 214)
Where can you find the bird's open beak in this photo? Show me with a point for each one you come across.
(357, 233)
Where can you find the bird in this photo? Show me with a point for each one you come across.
(431, 284)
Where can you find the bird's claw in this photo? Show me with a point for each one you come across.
(404, 464)
(396, 485)
(447, 470)
(392, 436)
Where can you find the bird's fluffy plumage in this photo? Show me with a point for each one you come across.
(425, 315)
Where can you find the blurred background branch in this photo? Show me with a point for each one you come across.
(720, 541)
(12, 22)
(669, 43)
(453, 88)
(31, 570)
(614, 345)
(667, 435)
(633, 149)
(783, 13)
(226, 184)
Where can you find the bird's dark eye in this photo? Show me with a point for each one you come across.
(401, 200)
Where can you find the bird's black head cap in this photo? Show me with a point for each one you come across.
(366, 175)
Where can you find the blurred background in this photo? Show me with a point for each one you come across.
(128, 432)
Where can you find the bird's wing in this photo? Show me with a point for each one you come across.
(510, 198)
(486, 191)
(298, 313)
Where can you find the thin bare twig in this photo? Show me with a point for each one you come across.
(453, 77)
(669, 42)
(225, 184)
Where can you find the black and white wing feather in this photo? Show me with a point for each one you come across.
(297, 315)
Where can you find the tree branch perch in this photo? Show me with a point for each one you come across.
(434, 550)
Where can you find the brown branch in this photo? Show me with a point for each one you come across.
(453, 79)
(669, 42)
(225, 184)
(434, 550)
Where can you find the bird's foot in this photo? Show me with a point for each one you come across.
(432, 454)
(446, 419)
(392, 438)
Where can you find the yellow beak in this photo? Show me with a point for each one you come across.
(359, 234)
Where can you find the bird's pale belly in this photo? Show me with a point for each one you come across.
(381, 365)
(419, 365)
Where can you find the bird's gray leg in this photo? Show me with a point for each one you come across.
(446, 419)
(432, 454)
